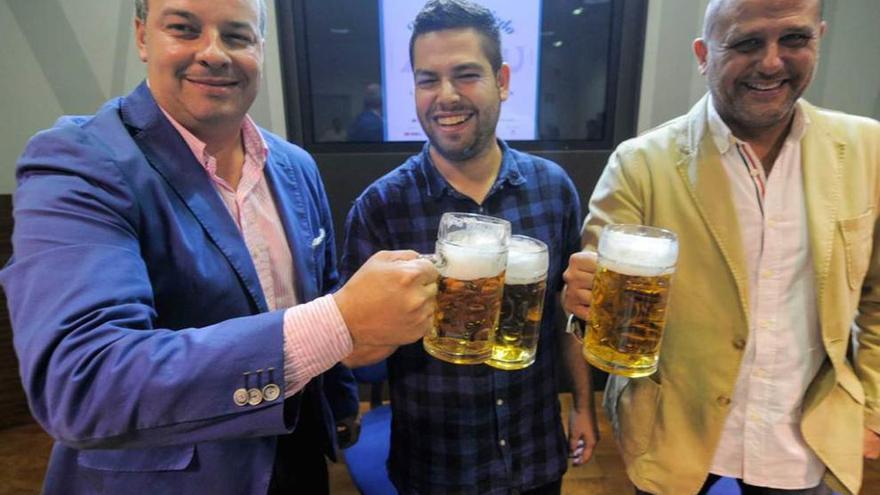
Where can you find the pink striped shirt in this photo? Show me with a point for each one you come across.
(761, 441)
(315, 335)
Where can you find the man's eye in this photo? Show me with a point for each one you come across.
(795, 40)
(746, 46)
(425, 83)
(238, 39)
(469, 76)
(184, 29)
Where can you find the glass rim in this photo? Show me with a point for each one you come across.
(478, 216)
(538, 243)
(660, 232)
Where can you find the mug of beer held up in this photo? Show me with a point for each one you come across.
(630, 292)
(471, 256)
(525, 282)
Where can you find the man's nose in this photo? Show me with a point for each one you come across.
(771, 59)
(447, 92)
(212, 53)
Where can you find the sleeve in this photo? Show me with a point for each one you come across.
(363, 235)
(617, 198)
(97, 371)
(571, 225)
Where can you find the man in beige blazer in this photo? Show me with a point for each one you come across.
(770, 363)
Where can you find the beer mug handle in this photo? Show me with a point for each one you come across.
(576, 327)
(437, 259)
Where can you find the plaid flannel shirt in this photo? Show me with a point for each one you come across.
(472, 429)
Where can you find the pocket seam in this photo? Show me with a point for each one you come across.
(856, 231)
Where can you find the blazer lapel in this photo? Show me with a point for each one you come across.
(822, 159)
(168, 153)
(291, 206)
(701, 168)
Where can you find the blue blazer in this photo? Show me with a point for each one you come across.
(137, 311)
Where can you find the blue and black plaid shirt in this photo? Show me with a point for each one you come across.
(458, 428)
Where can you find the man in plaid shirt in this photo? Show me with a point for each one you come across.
(474, 429)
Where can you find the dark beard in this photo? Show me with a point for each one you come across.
(457, 156)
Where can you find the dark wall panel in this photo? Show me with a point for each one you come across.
(13, 405)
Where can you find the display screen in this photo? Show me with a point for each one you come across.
(519, 24)
(357, 83)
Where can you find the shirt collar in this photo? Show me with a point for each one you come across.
(724, 138)
(510, 172)
(255, 146)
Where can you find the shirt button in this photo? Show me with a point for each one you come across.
(767, 274)
(502, 442)
(739, 344)
(499, 402)
(723, 400)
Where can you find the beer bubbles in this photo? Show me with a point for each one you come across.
(630, 294)
(515, 342)
(472, 251)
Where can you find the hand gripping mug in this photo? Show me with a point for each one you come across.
(630, 293)
(471, 256)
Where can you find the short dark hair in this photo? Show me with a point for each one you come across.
(141, 7)
(440, 15)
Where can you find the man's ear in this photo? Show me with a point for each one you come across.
(140, 38)
(701, 52)
(503, 79)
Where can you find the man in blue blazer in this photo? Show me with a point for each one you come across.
(165, 340)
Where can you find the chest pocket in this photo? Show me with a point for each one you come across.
(173, 458)
(857, 235)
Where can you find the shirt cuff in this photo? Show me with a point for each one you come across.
(315, 338)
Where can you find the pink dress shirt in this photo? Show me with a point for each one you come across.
(761, 441)
(315, 335)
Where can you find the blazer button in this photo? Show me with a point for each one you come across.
(739, 344)
(254, 396)
(723, 400)
(271, 392)
(240, 397)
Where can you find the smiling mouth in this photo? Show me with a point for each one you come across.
(453, 120)
(765, 86)
(214, 82)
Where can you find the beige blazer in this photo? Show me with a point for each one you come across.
(668, 425)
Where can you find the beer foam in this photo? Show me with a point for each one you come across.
(633, 254)
(469, 257)
(527, 261)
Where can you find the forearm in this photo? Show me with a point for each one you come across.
(578, 372)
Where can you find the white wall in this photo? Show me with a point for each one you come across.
(69, 56)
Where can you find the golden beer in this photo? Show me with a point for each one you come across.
(472, 257)
(466, 317)
(630, 293)
(516, 341)
(628, 314)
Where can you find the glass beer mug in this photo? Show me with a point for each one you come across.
(471, 256)
(630, 292)
(522, 307)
